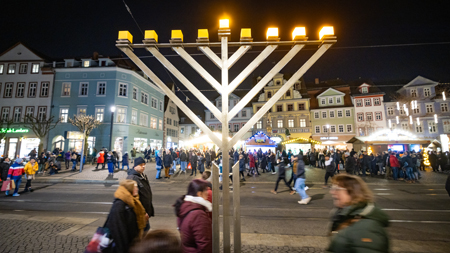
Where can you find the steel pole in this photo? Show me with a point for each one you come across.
(82, 149)
(237, 208)
(225, 147)
(216, 208)
(111, 131)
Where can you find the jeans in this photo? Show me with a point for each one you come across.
(28, 185)
(293, 178)
(74, 164)
(269, 166)
(395, 173)
(178, 160)
(174, 166)
(300, 188)
(17, 180)
(111, 168)
(123, 165)
(183, 166)
(410, 173)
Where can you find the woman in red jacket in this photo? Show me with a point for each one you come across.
(194, 222)
(395, 165)
(251, 165)
(100, 159)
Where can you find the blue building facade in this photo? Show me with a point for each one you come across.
(94, 87)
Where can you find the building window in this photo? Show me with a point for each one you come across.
(154, 103)
(12, 68)
(290, 123)
(134, 117)
(290, 107)
(288, 93)
(325, 129)
(390, 111)
(64, 114)
(182, 129)
(323, 101)
(32, 90)
(29, 111)
(35, 68)
(402, 111)
(413, 93)
(324, 114)
(101, 88)
(81, 111)
(358, 102)
(361, 131)
(432, 127)
(376, 101)
(416, 110)
(330, 101)
(144, 98)
(23, 68)
(367, 102)
(332, 114)
(17, 114)
(258, 125)
(302, 122)
(121, 115)
(84, 89)
(169, 121)
(219, 104)
(123, 90)
(153, 123)
(280, 123)
(364, 90)
(171, 109)
(341, 128)
(405, 126)
(429, 108)
(279, 108)
(338, 100)
(1, 69)
(316, 115)
(5, 113)
(99, 113)
(244, 113)
(369, 116)
(160, 124)
(427, 92)
(301, 107)
(135, 91)
(44, 89)
(317, 129)
(20, 91)
(8, 90)
(65, 92)
(360, 116)
(236, 127)
(143, 119)
(340, 114)
(333, 129)
(348, 113)
(444, 107)
(86, 64)
(269, 94)
(349, 128)
(42, 113)
(419, 128)
(378, 116)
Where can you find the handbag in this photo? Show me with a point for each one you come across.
(6, 186)
(171, 171)
(13, 185)
(100, 241)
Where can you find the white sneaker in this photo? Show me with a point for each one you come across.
(273, 173)
(305, 201)
(306, 188)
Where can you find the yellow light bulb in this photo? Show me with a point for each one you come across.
(224, 23)
(326, 30)
(272, 33)
(299, 33)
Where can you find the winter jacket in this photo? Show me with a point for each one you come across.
(201, 164)
(174, 155)
(393, 161)
(208, 158)
(300, 167)
(145, 191)
(366, 160)
(43, 159)
(264, 162)
(252, 161)
(331, 167)
(110, 159)
(133, 152)
(241, 164)
(168, 160)
(31, 169)
(60, 157)
(312, 157)
(194, 161)
(101, 157)
(183, 157)
(359, 228)
(281, 170)
(32, 154)
(407, 159)
(4, 168)
(195, 227)
(350, 164)
(158, 161)
(16, 170)
(236, 156)
(122, 225)
(67, 156)
(125, 159)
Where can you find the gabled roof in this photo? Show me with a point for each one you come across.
(331, 89)
(26, 54)
(420, 81)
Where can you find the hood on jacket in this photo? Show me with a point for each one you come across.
(188, 206)
(133, 172)
(369, 211)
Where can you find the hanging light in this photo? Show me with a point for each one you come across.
(443, 95)
(435, 119)
(407, 111)
(390, 124)
(396, 117)
(412, 104)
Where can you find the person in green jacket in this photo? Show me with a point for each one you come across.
(357, 224)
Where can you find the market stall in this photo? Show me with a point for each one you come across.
(303, 144)
(260, 141)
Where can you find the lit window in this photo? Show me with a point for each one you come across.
(44, 89)
(65, 92)
(35, 68)
(160, 124)
(280, 123)
(290, 123)
(258, 125)
(11, 68)
(64, 114)
(143, 119)
(81, 111)
(302, 122)
(1, 69)
(86, 64)
(121, 115)
(153, 123)
(364, 90)
(99, 113)
(17, 114)
(134, 117)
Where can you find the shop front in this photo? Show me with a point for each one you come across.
(260, 141)
(333, 142)
(18, 142)
(300, 144)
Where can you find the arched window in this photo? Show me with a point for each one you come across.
(269, 94)
(288, 93)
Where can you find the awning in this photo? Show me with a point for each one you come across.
(333, 139)
(380, 140)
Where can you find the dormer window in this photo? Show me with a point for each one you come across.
(86, 64)
(288, 93)
(364, 90)
(102, 63)
(338, 100)
(413, 93)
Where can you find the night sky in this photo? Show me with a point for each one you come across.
(61, 29)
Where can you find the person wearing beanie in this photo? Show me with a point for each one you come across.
(127, 218)
(145, 191)
(15, 173)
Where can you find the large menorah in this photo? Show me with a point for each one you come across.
(225, 88)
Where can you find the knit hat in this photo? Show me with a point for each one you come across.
(19, 160)
(139, 160)
(128, 184)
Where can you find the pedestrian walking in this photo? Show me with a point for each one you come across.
(43, 159)
(125, 161)
(127, 218)
(73, 158)
(158, 241)
(194, 222)
(67, 158)
(300, 181)
(330, 168)
(15, 172)
(168, 163)
(100, 159)
(159, 165)
(357, 224)
(133, 154)
(349, 164)
(110, 160)
(242, 167)
(183, 160)
(282, 176)
(30, 170)
(4, 168)
(145, 191)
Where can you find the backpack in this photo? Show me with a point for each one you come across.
(74, 156)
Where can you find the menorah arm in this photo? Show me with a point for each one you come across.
(237, 55)
(211, 55)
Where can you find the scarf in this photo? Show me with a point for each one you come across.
(200, 201)
(123, 194)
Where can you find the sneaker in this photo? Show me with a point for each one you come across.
(6, 193)
(16, 195)
(306, 188)
(273, 173)
(305, 201)
(274, 192)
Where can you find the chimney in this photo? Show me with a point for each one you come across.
(95, 56)
(316, 81)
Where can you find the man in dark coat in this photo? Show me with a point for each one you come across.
(365, 163)
(167, 162)
(194, 164)
(434, 161)
(145, 191)
(350, 164)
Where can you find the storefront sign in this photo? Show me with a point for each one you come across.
(74, 135)
(260, 139)
(140, 132)
(328, 138)
(13, 130)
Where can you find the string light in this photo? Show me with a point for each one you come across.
(418, 121)
(301, 139)
(443, 96)
(398, 106)
(396, 118)
(435, 119)
(390, 125)
(410, 120)
(425, 159)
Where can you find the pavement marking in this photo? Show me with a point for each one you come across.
(382, 189)
(415, 210)
(382, 193)
(418, 221)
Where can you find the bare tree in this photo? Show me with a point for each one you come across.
(40, 126)
(4, 126)
(85, 123)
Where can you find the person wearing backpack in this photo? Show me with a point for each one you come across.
(73, 158)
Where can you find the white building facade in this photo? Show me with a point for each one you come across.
(26, 88)
(370, 115)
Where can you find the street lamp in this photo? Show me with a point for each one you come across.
(113, 109)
